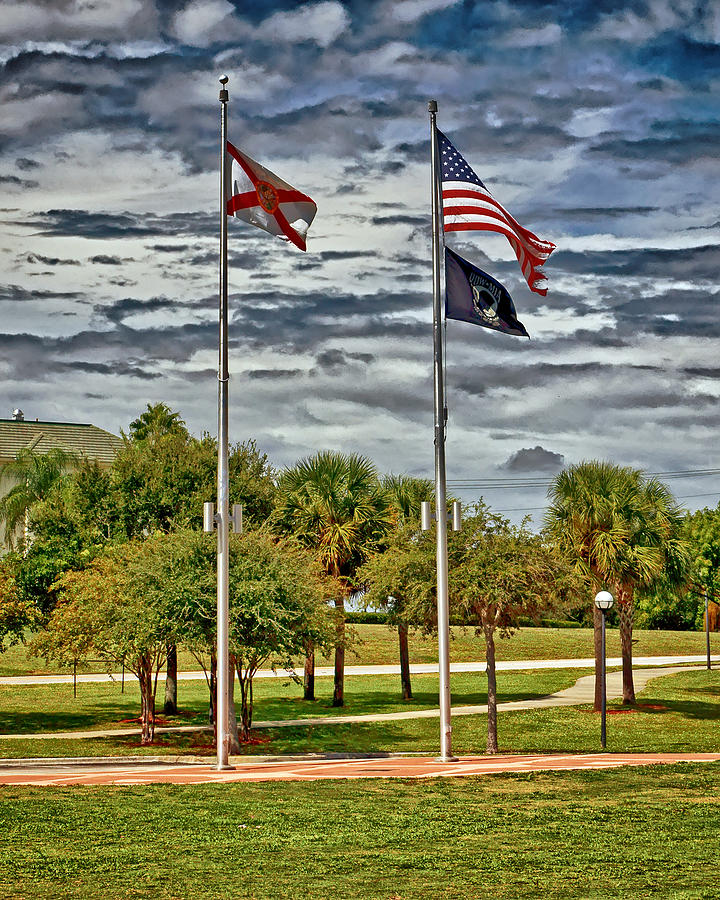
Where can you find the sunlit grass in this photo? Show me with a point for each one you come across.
(625, 833)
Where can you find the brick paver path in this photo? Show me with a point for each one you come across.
(313, 769)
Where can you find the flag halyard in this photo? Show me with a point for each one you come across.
(258, 196)
(469, 206)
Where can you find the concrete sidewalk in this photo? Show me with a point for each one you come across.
(520, 665)
(580, 693)
(314, 769)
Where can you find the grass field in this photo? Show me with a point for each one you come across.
(40, 708)
(675, 713)
(632, 833)
(377, 645)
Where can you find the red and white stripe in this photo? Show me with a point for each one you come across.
(468, 207)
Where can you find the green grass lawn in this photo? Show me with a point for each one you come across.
(39, 708)
(377, 645)
(675, 713)
(631, 833)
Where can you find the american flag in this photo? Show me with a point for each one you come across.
(469, 206)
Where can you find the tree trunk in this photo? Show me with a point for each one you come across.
(626, 613)
(339, 686)
(246, 707)
(213, 691)
(492, 741)
(170, 706)
(597, 626)
(147, 701)
(309, 673)
(233, 738)
(404, 661)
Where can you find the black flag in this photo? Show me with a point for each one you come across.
(472, 295)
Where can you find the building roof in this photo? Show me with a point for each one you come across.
(81, 439)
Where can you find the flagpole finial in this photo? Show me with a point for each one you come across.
(223, 92)
(432, 106)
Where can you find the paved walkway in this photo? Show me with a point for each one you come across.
(520, 665)
(246, 770)
(581, 692)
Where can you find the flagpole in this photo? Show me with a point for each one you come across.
(222, 706)
(440, 488)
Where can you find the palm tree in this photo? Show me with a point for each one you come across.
(405, 495)
(623, 532)
(334, 503)
(157, 420)
(35, 474)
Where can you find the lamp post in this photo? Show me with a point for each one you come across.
(603, 601)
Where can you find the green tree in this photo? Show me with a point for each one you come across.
(401, 580)
(623, 533)
(500, 573)
(277, 603)
(157, 420)
(16, 613)
(35, 474)
(701, 530)
(334, 503)
(388, 576)
(113, 610)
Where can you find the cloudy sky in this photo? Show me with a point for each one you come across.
(595, 123)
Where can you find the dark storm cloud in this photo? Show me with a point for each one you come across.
(415, 221)
(679, 143)
(15, 293)
(326, 255)
(684, 263)
(120, 310)
(106, 226)
(104, 260)
(519, 377)
(115, 368)
(333, 361)
(273, 374)
(533, 459)
(168, 248)
(585, 213)
(349, 188)
(688, 313)
(18, 182)
(25, 164)
(34, 258)
(701, 372)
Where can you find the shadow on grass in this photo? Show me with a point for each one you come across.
(92, 716)
(688, 709)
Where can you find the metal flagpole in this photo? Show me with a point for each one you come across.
(440, 491)
(707, 628)
(222, 706)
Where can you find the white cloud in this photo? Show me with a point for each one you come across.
(93, 20)
(700, 21)
(407, 11)
(533, 37)
(321, 23)
(197, 24)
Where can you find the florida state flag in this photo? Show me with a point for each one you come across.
(258, 196)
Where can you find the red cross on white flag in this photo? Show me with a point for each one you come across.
(259, 197)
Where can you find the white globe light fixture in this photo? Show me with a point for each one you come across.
(604, 600)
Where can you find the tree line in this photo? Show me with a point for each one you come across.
(112, 563)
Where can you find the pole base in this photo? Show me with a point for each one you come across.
(224, 767)
(447, 759)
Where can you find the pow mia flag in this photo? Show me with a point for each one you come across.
(472, 295)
